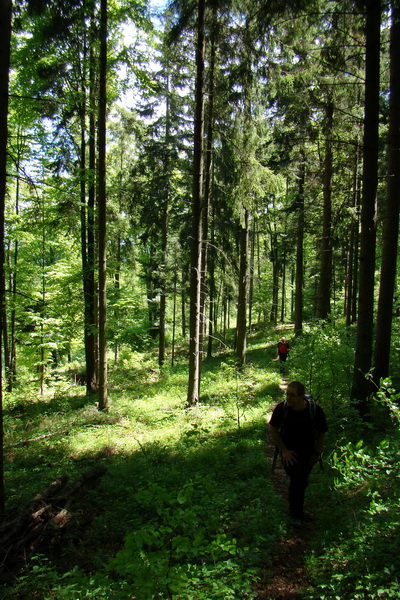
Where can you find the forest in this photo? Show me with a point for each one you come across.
(182, 184)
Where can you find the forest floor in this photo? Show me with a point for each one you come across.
(289, 575)
(286, 575)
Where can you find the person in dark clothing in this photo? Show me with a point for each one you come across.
(299, 436)
(283, 349)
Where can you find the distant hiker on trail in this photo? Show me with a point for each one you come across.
(298, 427)
(283, 351)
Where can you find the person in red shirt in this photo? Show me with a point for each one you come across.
(283, 351)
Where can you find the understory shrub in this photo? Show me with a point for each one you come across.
(183, 550)
(358, 555)
(322, 357)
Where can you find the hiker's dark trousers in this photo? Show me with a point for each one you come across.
(282, 361)
(298, 475)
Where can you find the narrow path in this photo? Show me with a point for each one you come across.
(289, 576)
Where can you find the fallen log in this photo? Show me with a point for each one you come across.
(35, 523)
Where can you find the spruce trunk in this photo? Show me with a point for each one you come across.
(391, 210)
(362, 388)
(197, 216)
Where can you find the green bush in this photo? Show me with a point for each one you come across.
(358, 554)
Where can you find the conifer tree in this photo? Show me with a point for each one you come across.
(361, 388)
(5, 47)
(390, 211)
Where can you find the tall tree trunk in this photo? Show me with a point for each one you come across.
(5, 46)
(212, 294)
(206, 276)
(362, 388)
(87, 228)
(325, 279)
(103, 401)
(390, 210)
(197, 215)
(183, 303)
(117, 288)
(352, 271)
(11, 361)
(174, 319)
(83, 216)
(243, 291)
(273, 318)
(164, 235)
(283, 289)
(298, 300)
(251, 270)
(356, 267)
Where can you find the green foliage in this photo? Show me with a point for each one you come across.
(182, 551)
(323, 357)
(185, 510)
(358, 558)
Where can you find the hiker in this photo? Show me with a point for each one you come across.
(283, 349)
(298, 428)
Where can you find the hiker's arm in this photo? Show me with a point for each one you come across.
(288, 456)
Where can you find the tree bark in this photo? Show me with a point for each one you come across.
(164, 234)
(197, 215)
(243, 291)
(390, 210)
(88, 236)
(252, 271)
(103, 400)
(362, 388)
(352, 271)
(298, 300)
(5, 51)
(325, 279)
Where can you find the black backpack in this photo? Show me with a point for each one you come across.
(312, 404)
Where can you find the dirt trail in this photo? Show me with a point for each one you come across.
(289, 576)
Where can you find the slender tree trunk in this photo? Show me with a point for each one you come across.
(212, 299)
(356, 267)
(12, 355)
(164, 237)
(6, 348)
(209, 166)
(362, 387)
(275, 288)
(43, 301)
(241, 326)
(197, 215)
(103, 400)
(274, 252)
(174, 320)
(183, 304)
(251, 271)
(88, 231)
(117, 287)
(325, 280)
(5, 46)
(225, 312)
(352, 283)
(283, 299)
(390, 210)
(298, 301)
(83, 216)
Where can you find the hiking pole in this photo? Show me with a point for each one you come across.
(276, 452)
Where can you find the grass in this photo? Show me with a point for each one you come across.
(154, 447)
(186, 509)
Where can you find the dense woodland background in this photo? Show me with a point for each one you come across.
(178, 186)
